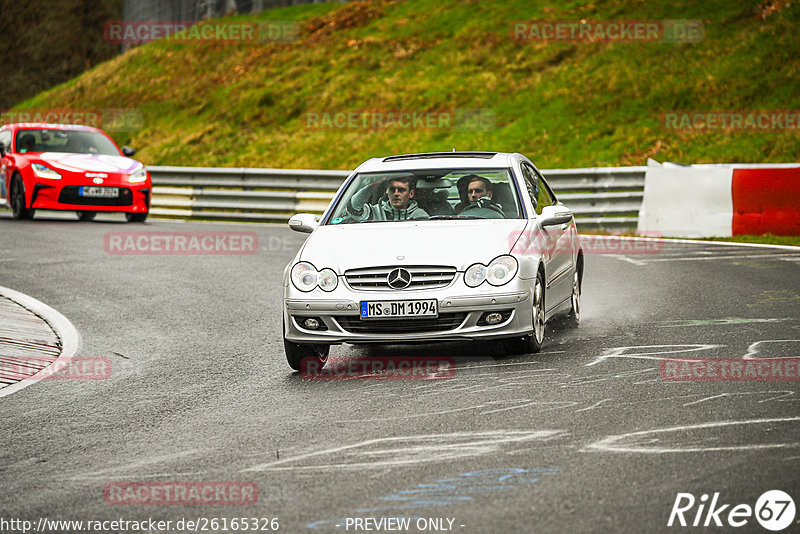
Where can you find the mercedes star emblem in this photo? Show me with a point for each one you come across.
(399, 279)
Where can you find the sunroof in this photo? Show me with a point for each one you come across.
(433, 155)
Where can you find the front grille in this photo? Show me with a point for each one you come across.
(422, 277)
(69, 195)
(445, 321)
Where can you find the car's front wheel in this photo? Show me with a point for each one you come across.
(315, 355)
(86, 215)
(574, 317)
(136, 217)
(532, 343)
(17, 196)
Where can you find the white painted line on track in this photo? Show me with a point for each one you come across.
(728, 257)
(720, 396)
(593, 406)
(402, 451)
(698, 242)
(629, 260)
(648, 353)
(641, 442)
(754, 348)
(66, 332)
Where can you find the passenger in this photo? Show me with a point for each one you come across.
(75, 145)
(478, 193)
(398, 207)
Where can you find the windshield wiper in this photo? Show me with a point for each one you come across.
(452, 217)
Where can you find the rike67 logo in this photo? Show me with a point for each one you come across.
(774, 510)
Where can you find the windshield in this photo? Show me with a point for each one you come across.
(76, 142)
(441, 194)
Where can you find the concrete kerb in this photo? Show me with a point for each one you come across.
(66, 332)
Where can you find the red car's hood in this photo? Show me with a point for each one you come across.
(89, 162)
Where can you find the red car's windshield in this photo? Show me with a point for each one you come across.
(76, 142)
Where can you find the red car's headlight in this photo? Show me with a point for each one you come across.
(138, 176)
(43, 171)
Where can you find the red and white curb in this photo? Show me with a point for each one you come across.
(720, 200)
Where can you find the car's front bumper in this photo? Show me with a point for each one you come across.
(459, 316)
(53, 195)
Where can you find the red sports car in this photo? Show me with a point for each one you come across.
(70, 167)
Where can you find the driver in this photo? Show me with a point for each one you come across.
(479, 195)
(399, 206)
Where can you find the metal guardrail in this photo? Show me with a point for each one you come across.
(606, 198)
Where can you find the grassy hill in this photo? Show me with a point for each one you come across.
(46, 43)
(565, 104)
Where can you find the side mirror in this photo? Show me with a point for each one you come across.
(128, 151)
(304, 222)
(554, 216)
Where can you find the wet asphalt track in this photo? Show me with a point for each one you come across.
(584, 437)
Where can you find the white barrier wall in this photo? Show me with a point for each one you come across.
(686, 201)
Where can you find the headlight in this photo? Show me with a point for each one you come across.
(499, 272)
(502, 270)
(327, 280)
(475, 275)
(305, 277)
(137, 176)
(43, 171)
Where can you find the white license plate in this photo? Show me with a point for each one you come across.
(102, 192)
(386, 309)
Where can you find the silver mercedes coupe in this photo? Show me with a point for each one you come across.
(433, 247)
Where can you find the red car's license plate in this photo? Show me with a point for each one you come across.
(102, 192)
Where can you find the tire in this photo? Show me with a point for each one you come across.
(296, 353)
(136, 217)
(574, 317)
(17, 198)
(86, 215)
(532, 343)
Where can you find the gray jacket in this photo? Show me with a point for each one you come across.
(360, 211)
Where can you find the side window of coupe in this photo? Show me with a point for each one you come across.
(5, 139)
(532, 185)
(544, 198)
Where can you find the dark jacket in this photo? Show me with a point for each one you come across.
(485, 207)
